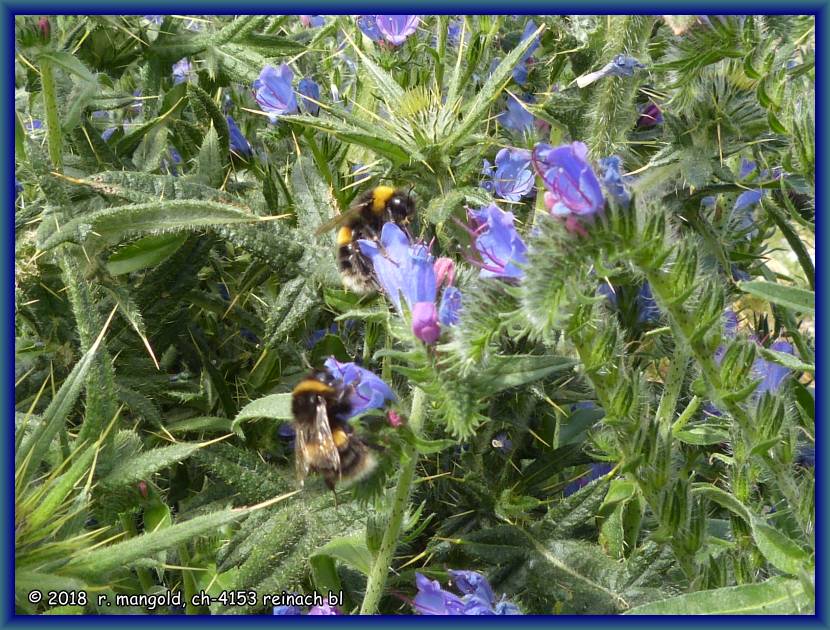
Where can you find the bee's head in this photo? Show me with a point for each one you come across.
(400, 207)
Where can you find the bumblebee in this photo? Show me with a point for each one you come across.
(365, 219)
(325, 442)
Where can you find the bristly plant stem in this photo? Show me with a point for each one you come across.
(50, 106)
(383, 560)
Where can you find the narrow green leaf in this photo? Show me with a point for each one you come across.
(702, 435)
(274, 407)
(70, 64)
(146, 252)
(114, 224)
(724, 499)
(61, 489)
(504, 372)
(798, 299)
(776, 596)
(787, 360)
(142, 466)
(779, 550)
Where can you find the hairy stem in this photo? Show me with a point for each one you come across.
(383, 560)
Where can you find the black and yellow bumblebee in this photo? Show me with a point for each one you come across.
(325, 442)
(365, 219)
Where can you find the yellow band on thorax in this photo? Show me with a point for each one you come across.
(311, 386)
(344, 235)
(380, 196)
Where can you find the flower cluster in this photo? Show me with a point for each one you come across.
(392, 29)
(476, 597)
(274, 91)
(406, 269)
(368, 391)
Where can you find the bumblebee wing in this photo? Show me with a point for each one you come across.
(315, 447)
(340, 219)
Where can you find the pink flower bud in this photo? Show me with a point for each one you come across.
(394, 418)
(444, 271)
(425, 322)
(45, 28)
(143, 489)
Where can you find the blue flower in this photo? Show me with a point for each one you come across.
(406, 270)
(595, 471)
(368, 25)
(513, 178)
(170, 163)
(287, 610)
(647, 309)
(520, 69)
(274, 92)
(498, 243)
(182, 71)
(517, 117)
(396, 28)
(368, 390)
(312, 21)
(239, 143)
(311, 93)
(450, 307)
(572, 185)
(773, 374)
(612, 179)
(401, 268)
(33, 125)
(454, 31)
(620, 66)
(502, 442)
(155, 19)
(477, 597)
(18, 187)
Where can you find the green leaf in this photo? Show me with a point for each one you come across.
(724, 499)
(219, 123)
(776, 596)
(114, 224)
(211, 163)
(703, 435)
(506, 371)
(62, 487)
(779, 550)
(619, 492)
(352, 551)
(208, 424)
(96, 562)
(798, 299)
(274, 407)
(142, 466)
(146, 252)
(787, 360)
(69, 63)
(153, 146)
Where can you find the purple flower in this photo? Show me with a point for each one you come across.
(359, 172)
(573, 187)
(137, 106)
(171, 165)
(155, 19)
(33, 125)
(369, 27)
(450, 307)
(596, 471)
(612, 179)
(647, 309)
(312, 21)
(396, 28)
(106, 134)
(425, 323)
(477, 597)
(18, 187)
(498, 243)
(773, 375)
(310, 96)
(287, 610)
(513, 178)
(444, 271)
(517, 117)
(368, 390)
(454, 31)
(274, 92)
(325, 609)
(182, 71)
(239, 143)
(650, 116)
